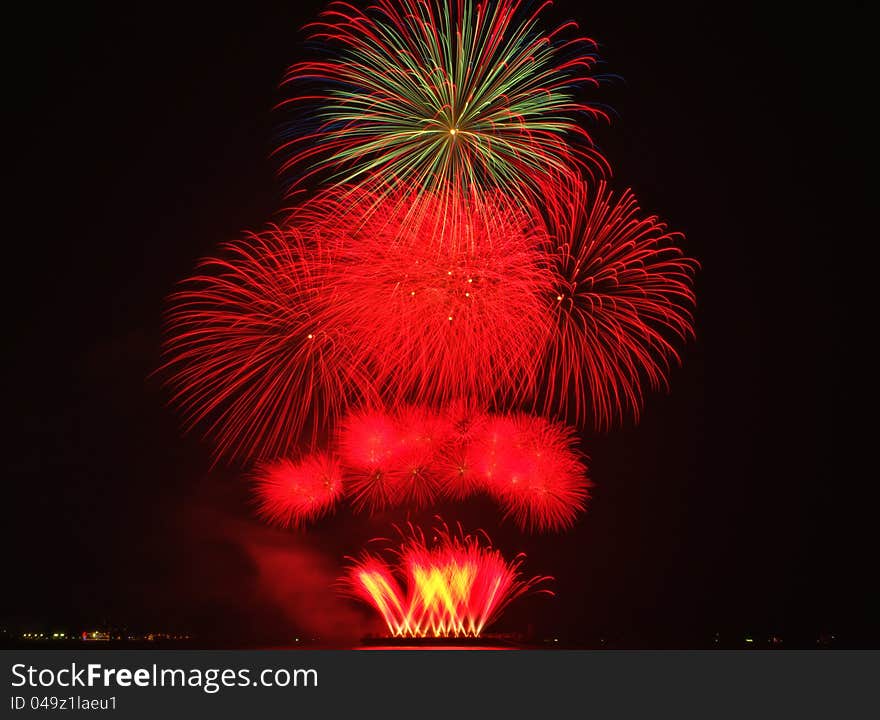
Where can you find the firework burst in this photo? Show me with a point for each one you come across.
(453, 587)
(459, 314)
(465, 419)
(246, 356)
(412, 456)
(442, 96)
(622, 296)
(461, 261)
(392, 458)
(370, 446)
(537, 474)
(459, 478)
(293, 494)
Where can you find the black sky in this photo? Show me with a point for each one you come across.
(141, 140)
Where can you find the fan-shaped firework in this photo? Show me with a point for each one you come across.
(537, 474)
(453, 588)
(443, 96)
(246, 355)
(460, 314)
(623, 295)
(291, 494)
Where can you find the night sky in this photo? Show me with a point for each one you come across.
(141, 140)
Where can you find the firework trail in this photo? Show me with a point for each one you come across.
(454, 587)
(441, 96)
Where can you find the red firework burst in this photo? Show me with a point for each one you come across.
(423, 430)
(455, 587)
(448, 301)
(536, 472)
(370, 444)
(392, 458)
(490, 446)
(423, 435)
(246, 355)
(622, 295)
(465, 419)
(369, 438)
(292, 494)
(410, 457)
(415, 477)
(459, 478)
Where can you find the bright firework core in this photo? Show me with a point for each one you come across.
(453, 587)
